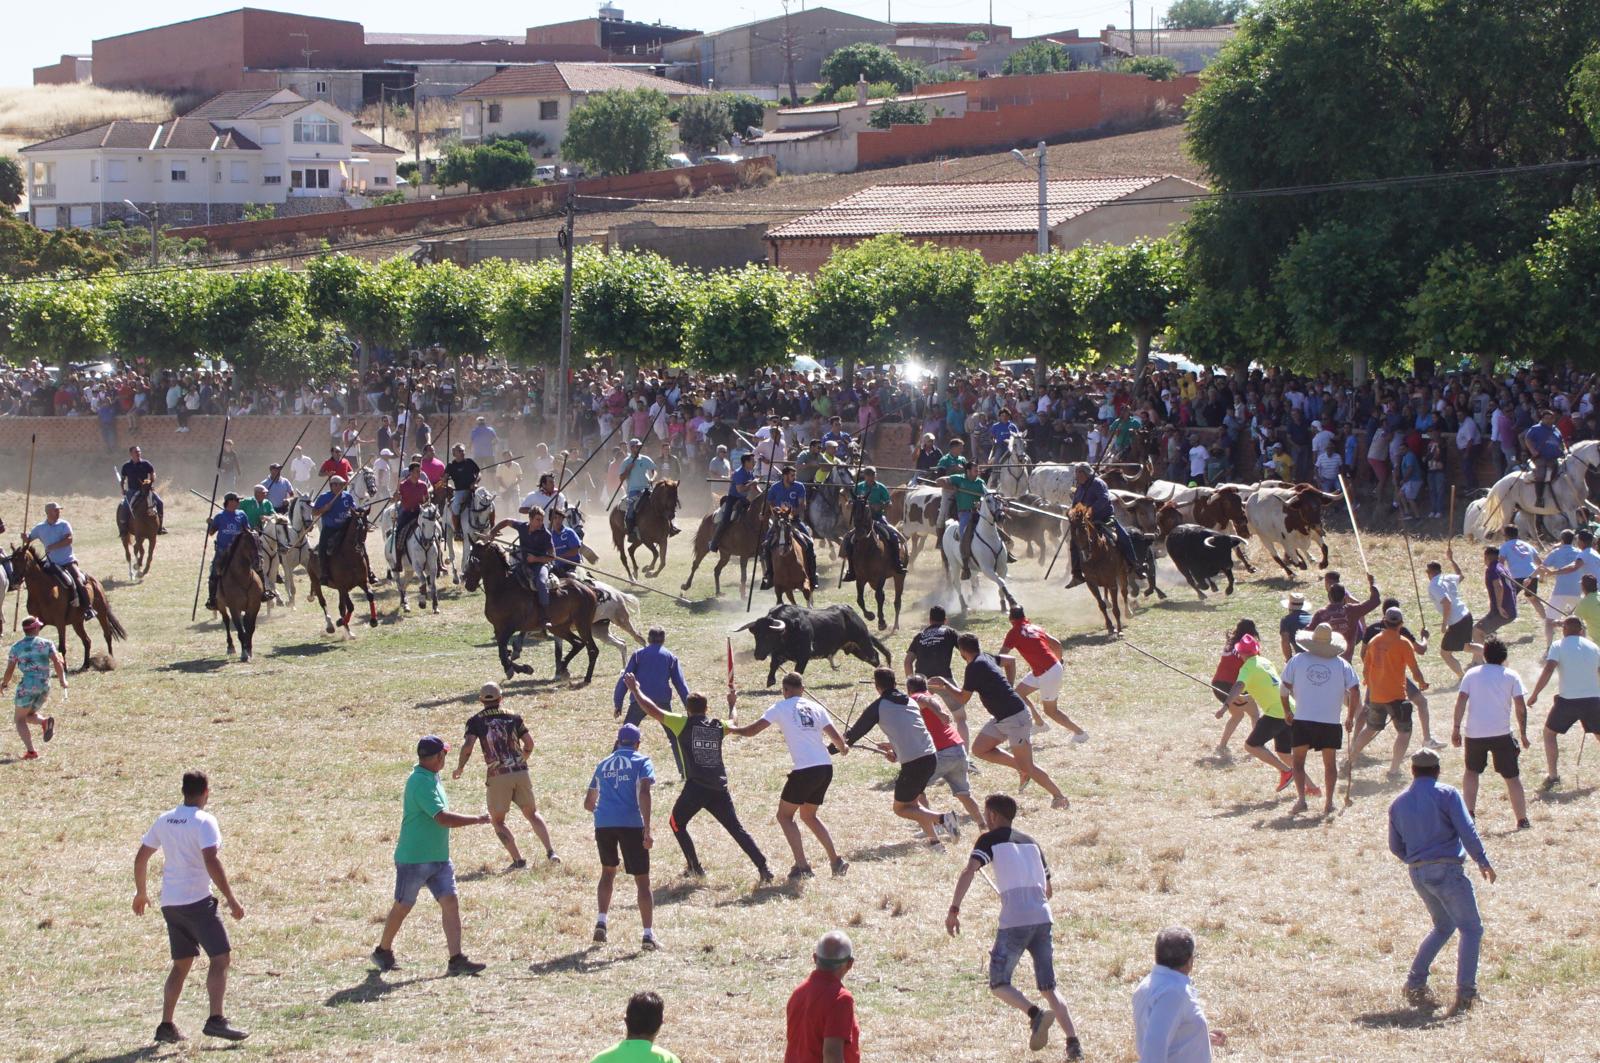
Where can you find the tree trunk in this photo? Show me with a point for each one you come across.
(629, 363)
(1041, 372)
(848, 369)
(1486, 361)
(1141, 355)
(1358, 369)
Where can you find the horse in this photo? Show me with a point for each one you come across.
(788, 559)
(56, 608)
(239, 593)
(618, 607)
(421, 552)
(1514, 498)
(873, 563)
(1012, 477)
(741, 539)
(653, 521)
(825, 509)
(512, 609)
(347, 570)
(477, 516)
(364, 485)
(1104, 568)
(988, 553)
(284, 545)
(139, 530)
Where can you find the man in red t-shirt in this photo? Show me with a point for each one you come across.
(822, 1013)
(1042, 651)
(950, 753)
(411, 494)
(432, 467)
(336, 465)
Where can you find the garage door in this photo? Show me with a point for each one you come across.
(82, 217)
(44, 217)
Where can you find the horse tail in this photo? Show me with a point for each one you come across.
(113, 625)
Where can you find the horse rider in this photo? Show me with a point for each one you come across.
(876, 497)
(335, 507)
(545, 497)
(967, 491)
(787, 492)
(279, 490)
(1545, 448)
(134, 474)
(836, 433)
(535, 555)
(257, 507)
(953, 461)
(410, 495)
(227, 524)
(812, 468)
(638, 472)
(1093, 492)
(566, 543)
(743, 488)
(336, 465)
(55, 535)
(463, 475)
(1000, 434)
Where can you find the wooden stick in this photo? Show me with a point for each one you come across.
(1450, 523)
(1349, 508)
(216, 480)
(27, 512)
(1415, 586)
(1187, 675)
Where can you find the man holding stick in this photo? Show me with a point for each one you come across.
(1576, 660)
(1319, 680)
(911, 746)
(1445, 593)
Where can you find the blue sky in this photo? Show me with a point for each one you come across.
(36, 33)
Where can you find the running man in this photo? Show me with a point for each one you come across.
(1577, 660)
(35, 656)
(189, 839)
(1445, 593)
(619, 797)
(949, 751)
(1568, 586)
(929, 655)
(1022, 878)
(1488, 693)
(506, 746)
(911, 746)
(1009, 721)
(1320, 681)
(1386, 660)
(807, 729)
(1259, 682)
(1042, 651)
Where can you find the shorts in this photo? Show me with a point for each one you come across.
(950, 765)
(1494, 622)
(1317, 735)
(1011, 942)
(1505, 750)
(1270, 728)
(1013, 729)
(508, 788)
(914, 778)
(438, 875)
(1529, 585)
(1559, 606)
(1413, 692)
(1411, 489)
(192, 927)
(807, 786)
(1457, 635)
(1378, 715)
(1048, 684)
(1220, 692)
(1564, 712)
(630, 841)
(30, 699)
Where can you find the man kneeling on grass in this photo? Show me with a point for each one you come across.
(1023, 882)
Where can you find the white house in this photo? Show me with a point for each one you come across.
(272, 147)
(539, 98)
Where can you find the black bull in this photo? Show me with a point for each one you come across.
(1202, 555)
(795, 633)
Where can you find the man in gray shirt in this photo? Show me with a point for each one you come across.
(912, 746)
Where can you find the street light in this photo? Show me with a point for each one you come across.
(155, 238)
(1044, 213)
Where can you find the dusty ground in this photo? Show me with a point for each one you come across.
(1305, 926)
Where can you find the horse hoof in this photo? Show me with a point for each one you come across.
(330, 629)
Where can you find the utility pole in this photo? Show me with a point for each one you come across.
(788, 58)
(1044, 204)
(566, 315)
(416, 135)
(1133, 38)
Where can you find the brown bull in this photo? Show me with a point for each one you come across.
(1221, 509)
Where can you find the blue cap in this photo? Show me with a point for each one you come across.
(628, 735)
(432, 745)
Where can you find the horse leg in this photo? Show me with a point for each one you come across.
(620, 643)
(399, 570)
(862, 602)
(433, 593)
(83, 636)
(347, 609)
(586, 631)
(127, 555)
(149, 556)
(693, 568)
(1094, 589)
(501, 640)
(899, 589)
(372, 606)
(716, 574)
(227, 627)
(878, 590)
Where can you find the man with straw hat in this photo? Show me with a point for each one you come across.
(35, 656)
(1319, 680)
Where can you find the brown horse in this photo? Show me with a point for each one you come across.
(788, 559)
(872, 563)
(347, 570)
(1104, 569)
(58, 608)
(653, 521)
(741, 539)
(239, 592)
(138, 530)
(512, 609)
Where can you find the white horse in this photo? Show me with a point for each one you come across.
(988, 553)
(363, 485)
(285, 545)
(1014, 477)
(477, 517)
(1514, 498)
(420, 552)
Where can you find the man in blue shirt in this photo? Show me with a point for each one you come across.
(55, 535)
(1545, 447)
(227, 524)
(1521, 561)
(659, 673)
(534, 556)
(1093, 492)
(619, 797)
(279, 490)
(135, 473)
(334, 506)
(566, 543)
(483, 440)
(638, 473)
(787, 492)
(836, 433)
(1568, 584)
(743, 488)
(1431, 831)
(1000, 433)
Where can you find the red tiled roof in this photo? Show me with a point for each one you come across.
(972, 207)
(232, 104)
(180, 133)
(551, 79)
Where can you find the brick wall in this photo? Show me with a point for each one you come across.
(544, 199)
(202, 55)
(68, 70)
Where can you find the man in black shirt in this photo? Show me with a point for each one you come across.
(535, 554)
(135, 473)
(462, 472)
(929, 653)
(506, 745)
(706, 783)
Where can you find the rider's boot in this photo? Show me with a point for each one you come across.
(211, 593)
(766, 571)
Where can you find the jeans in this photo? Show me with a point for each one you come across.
(1436, 495)
(1009, 945)
(1447, 893)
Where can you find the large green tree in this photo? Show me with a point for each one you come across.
(633, 305)
(250, 317)
(57, 322)
(11, 183)
(452, 308)
(846, 312)
(1565, 271)
(1036, 307)
(742, 319)
(620, 132)
(158, 316)
(1469, 305)
(847, 65)
(1202, 14)
(930, 296)
(1132, 291)
(704, 122)
(1037, 57)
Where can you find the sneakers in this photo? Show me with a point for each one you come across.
(1080, 738)
(551, 857)
(1464, 1001)
(951, 825)
(1039, 1028)
(1077, 581)
(840, 866)
(459, 964)
(1074, 1049)
(49, 728)
(517, 864)
(599, 933)
(1524, 824)
(763, 877)
(1550, 783)
(167, 1034)
(649, 943)
(31, 754)
(217, 1026)
(1284, 779)
(1433, 743)
(385, 960)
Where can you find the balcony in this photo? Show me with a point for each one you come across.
(42, 192)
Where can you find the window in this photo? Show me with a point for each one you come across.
(316, 130)
(549, 110)
(116, 170)
(179, 171)
(272, 173)
(494, 113)
(238, 172)
(44, 173)
(295, 179)
(322, 88)
(381, 179)
(308, 178)
(271, 134)
(182, 214)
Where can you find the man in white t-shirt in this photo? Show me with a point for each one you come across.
(1578, 661)
(808, 730)
(1319, 680)
(300, 469)
(545, 497)
(1197, 462)
(1487, 695)
(188, 838)
(1445, 593)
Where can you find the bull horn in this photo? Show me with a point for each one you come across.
(777, 625)
(1213, 540)
(745, 627)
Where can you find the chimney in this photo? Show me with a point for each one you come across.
(861, 90)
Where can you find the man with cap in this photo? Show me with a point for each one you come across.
(565, 543)
(637, 474)
(1577, 661)
(1386, 659)
(55, 535)
(279, 490)
(1320, 680)
(875, 496)
(422, 858)
(383, 471)
(463, 475)
(134, 474)
(1000, 434)
(506, 745)
(1488, 693)
(484, 440)
(1296, 620)
(619, 798)
(35, 657)
(1093, 492)
(788, 492)
(926, 460)
(743, 489)
(1432, 832)
(334, 507)
(1258, 682)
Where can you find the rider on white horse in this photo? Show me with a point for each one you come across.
(279, 490)
(463, 474)
(1546, 448)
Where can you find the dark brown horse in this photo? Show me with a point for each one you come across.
(788, 559)
(872, 563)
(653, 521)
(138, 530)
(347, 570)
(512, 609)
(58, 608)
(239, 592)
(1104, 569)
(741, 539)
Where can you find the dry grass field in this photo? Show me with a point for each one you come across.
(35, 112)
(1305, 926)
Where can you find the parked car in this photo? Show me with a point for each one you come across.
(544, 173)
(728, 157)
(678, 160)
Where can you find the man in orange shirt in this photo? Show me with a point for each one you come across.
(822, 1024)
(1386, 660)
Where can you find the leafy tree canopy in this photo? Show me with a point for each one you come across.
(1039, 57)
(704, 122)
(620, 132)
(11, 183)
(1154, 67)
(898, 112)
(743, 319)
(1202, 14)
(847, 65)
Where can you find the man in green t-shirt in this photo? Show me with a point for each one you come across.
(876, 496)
(1587, 608)
(955, 457)
(642, 1021)
(1258, 682)
(257, 507)
(968, 489)
(422, 858)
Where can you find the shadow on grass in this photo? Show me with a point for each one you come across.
(1185, 605)
(578, 962)
(304, 649)
(887, 851)
(82, 1056)
(1246, 808)
(373, 988)
(198, 666)
(778, 891)
(1565, 797)
(469, 698)
(1400, 1019)
(1310, 820)
(678, 891)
